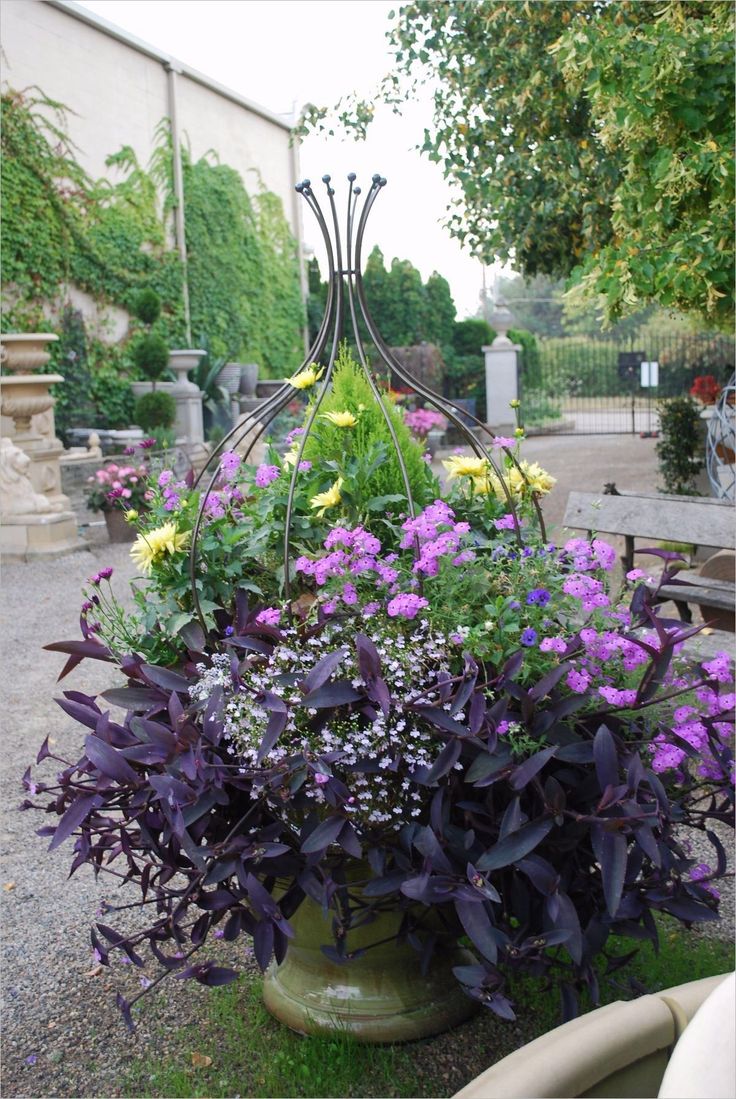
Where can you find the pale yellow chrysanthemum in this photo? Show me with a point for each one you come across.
(306, 378)
(329, 499)
(487, 483)
(288, 459)
(460, 466)
(131, 515)
(148, 549)
(340, 419)
(531, 478)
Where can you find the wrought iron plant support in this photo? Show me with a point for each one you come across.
(345, 301)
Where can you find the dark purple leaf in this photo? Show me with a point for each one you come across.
(85, 715)
(548, 681)
(339, 693)
(193, 637)
(440, 718)
(515, 846)
(477, 925)
(477, 713)
(323, 835)
(369, 662)
(165, 678)
(263, 943)
(322, 670)
(109, 760)
(349, 841)
(77, 812)
(132, 698)
(444, 763)
(512, 819)
(276, 725)
(566, 919)
(685, 908)
(541, 874)
(523, 774)
(612, 851)
(216, 975)
(606, 758)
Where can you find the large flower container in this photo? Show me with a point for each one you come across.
(375, 721)
(379, 995)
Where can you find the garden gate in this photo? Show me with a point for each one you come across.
(583, 386)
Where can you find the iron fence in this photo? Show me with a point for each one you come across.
(583, 386)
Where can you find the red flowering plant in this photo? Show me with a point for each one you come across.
(706, 389)
(433, 703)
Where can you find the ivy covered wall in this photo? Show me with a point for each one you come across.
(111, 237)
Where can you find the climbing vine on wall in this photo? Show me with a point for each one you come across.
(111, 237)
(243, 276)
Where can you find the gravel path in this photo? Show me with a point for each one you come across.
(62, 1032)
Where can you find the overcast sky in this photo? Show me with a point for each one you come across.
(284, 53)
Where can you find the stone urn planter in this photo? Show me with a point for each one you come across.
(229, 377)
(269, 386)
(181, 361)
(380, 996)
(248, 379)
(118, 530)
(24, 352)
(434, 441)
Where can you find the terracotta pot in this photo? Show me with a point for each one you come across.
(378, 997)
(118, 530)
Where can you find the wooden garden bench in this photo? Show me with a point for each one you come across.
(692, 520)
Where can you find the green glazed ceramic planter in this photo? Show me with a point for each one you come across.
(378, 997)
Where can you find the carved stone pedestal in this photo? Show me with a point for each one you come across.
(35, 516)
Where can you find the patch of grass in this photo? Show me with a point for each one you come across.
(253, 1055)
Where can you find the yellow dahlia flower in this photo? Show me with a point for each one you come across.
(306, 378)
(531, 478)
(340, 419)
(329, 499)
(460, 466)
(148, 549)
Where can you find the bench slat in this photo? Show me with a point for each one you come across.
(691, 521)
(704, 597)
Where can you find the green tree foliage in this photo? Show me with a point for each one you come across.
(471, 336)
(370, 439)
(583, 139)
(405, 310)
(680, 448)
(440, 310)
(155, 410)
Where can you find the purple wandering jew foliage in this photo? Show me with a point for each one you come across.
(291, 751)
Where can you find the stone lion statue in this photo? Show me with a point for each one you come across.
(17, 494)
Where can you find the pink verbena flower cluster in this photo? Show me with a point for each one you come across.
(438, 536)
(357, 571)
(116, 484)
(421, 421)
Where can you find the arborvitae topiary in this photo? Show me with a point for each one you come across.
(350, 392)
(151, 355)
(155, 410)
(147, 307)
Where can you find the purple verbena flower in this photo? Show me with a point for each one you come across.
(266, 474)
